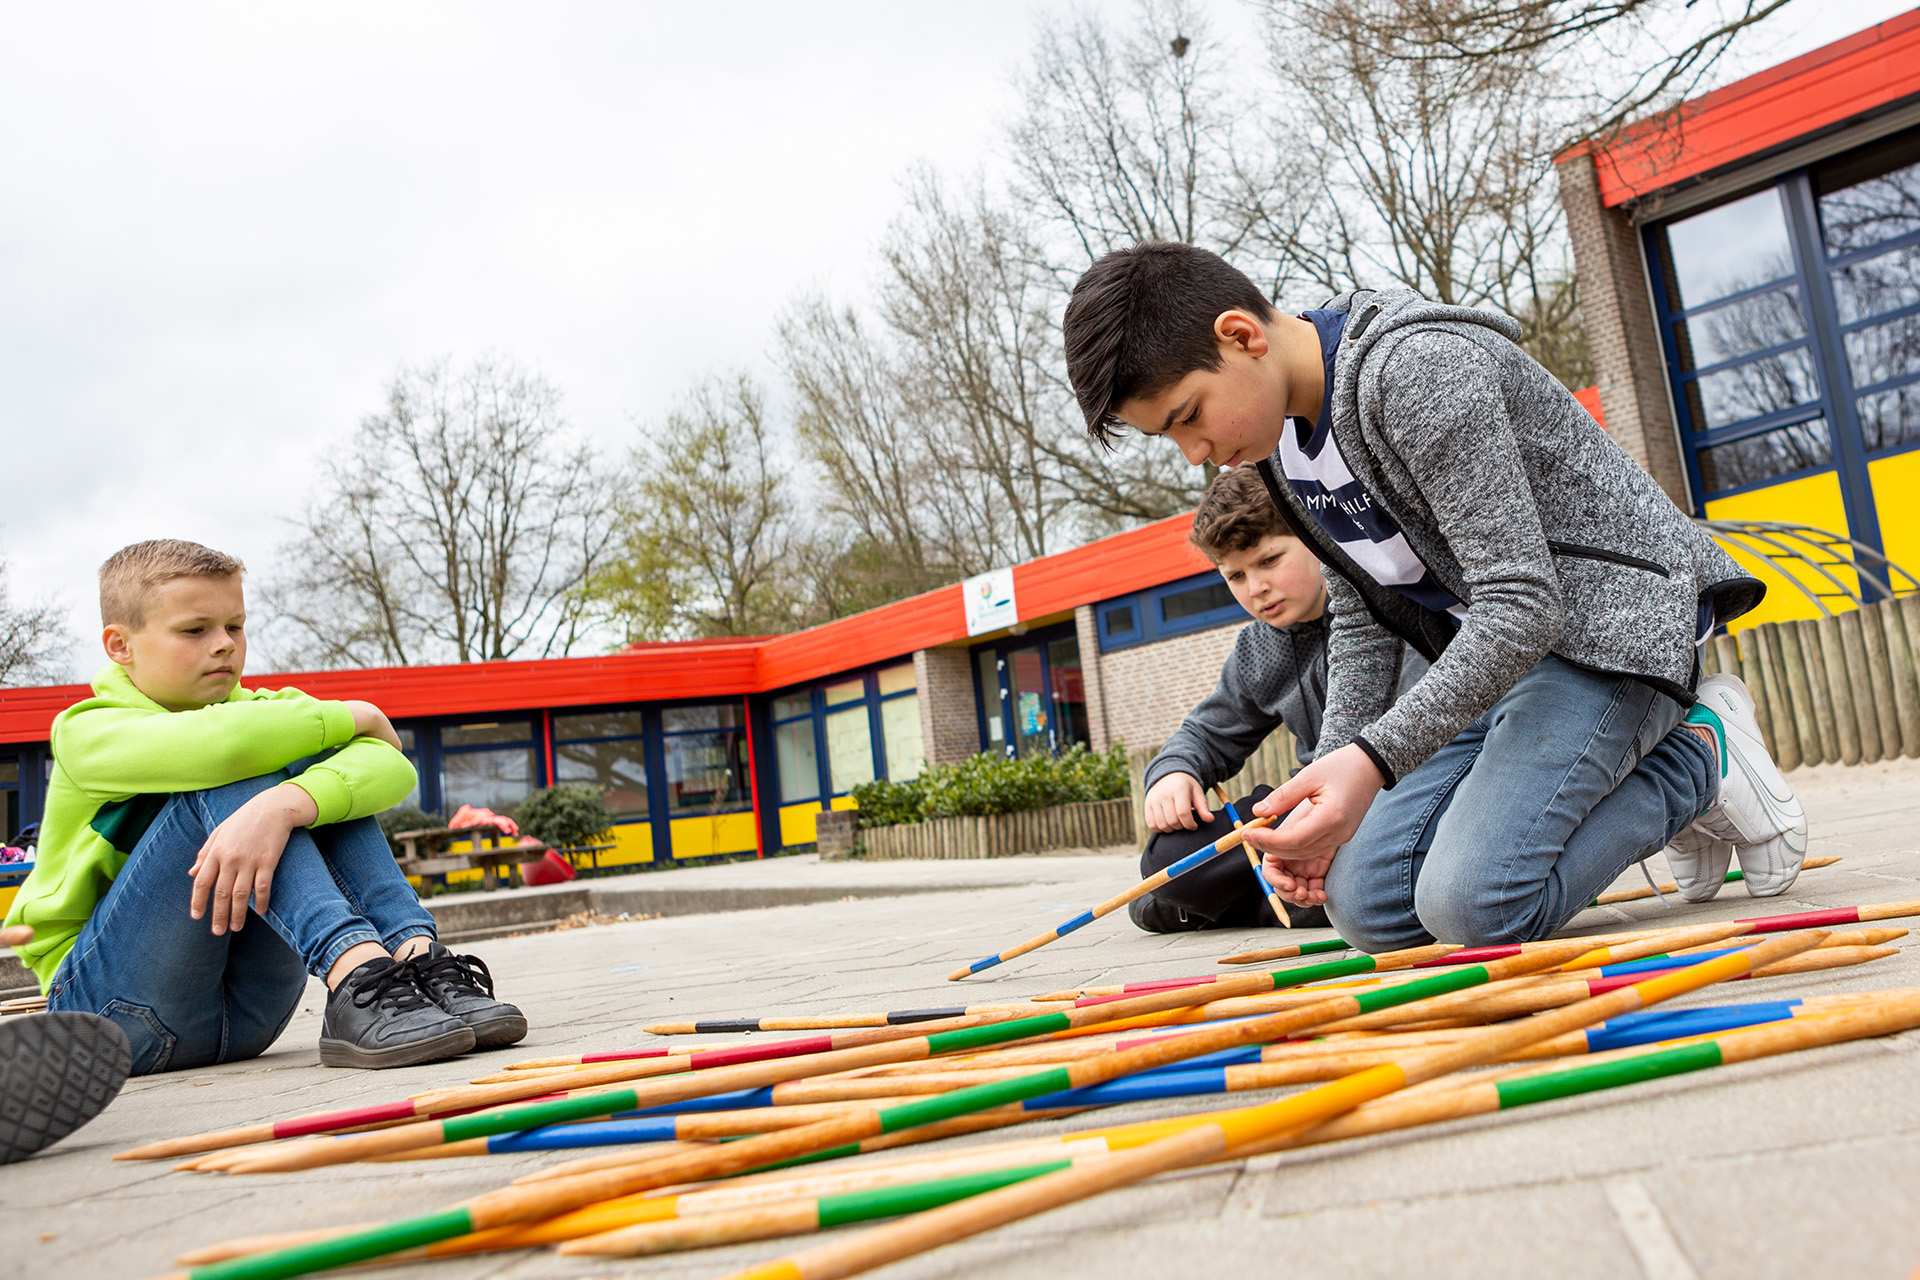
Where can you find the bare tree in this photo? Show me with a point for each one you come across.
(1621, 58)
(33, 636)
(707, 536)
(457, 527)
(1431, 174)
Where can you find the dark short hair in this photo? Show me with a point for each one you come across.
(1141, 319)
(1236, 514)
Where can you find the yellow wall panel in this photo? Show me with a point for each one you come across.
(733, 833)
(796, 823)
(845, 802)
(633, 843)
(1896, 499)
(692, 837)
(1810, 500)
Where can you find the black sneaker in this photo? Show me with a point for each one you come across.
(57, 1071)
(463, 986)
(381, 1016)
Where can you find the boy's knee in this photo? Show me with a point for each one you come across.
(1372, 934)
(1452, 916)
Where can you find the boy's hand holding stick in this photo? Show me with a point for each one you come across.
(1324, 804)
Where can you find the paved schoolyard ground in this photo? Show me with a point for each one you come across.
(1803, 1166)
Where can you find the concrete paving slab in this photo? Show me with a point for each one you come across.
(1790, 1167)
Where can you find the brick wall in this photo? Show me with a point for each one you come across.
(1618, 313)
(1149, 688)
(949, 720)
(1087, 633)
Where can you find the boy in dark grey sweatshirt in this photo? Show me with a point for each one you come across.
(1462, 501)
(1276, 675)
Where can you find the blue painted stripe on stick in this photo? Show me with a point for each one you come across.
(1080, 921)
(987, 963)
(1686, 1022)
(1653, 964)
(1140, 1088)
(600, 1133)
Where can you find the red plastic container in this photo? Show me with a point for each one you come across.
(550, 869)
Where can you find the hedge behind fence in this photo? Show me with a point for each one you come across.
(988, 784)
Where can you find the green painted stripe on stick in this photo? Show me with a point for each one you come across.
(995, 1033)
(1300, 973)
(1440, 984)
(559, 1111)
(1608, 1075)
(1331, 944)
(360, 1246)
(960, 1102)
(887, 1202)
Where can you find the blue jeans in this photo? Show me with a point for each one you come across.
(186, 998)
(1509, 831)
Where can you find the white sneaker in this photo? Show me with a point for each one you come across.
(1699, 863)
(1756, 811)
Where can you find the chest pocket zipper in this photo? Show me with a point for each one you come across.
(1574, 551)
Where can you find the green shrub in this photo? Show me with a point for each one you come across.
(565, 816)
(408, 817)
(988, 784)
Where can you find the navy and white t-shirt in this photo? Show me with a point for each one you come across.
(1311, 462)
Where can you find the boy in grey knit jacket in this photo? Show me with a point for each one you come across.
(1276, 675)
(1460, 500)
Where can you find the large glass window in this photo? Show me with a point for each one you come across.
(704, 750)
(608, 750)
(1870, 228)
(797, 758)
(900, 721)
(487, 764)
(849, 735)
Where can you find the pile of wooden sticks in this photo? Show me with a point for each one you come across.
(1365, 1044)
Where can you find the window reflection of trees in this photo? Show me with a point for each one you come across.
(1753, 323)
(1858, 217)
(1763, 457)
(1871, 212)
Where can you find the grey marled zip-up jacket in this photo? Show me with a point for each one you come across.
(1520, 505)
(1274, 676)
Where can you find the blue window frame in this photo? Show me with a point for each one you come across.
(1197, 603)
(833, 736)
(1790, 318)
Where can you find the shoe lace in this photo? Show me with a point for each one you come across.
(455, 975)
(1651, 885)
(397, 987)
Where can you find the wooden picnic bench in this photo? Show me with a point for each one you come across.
(425, 852)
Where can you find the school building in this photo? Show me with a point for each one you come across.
(1749, 272)
(1750, 280)
(729, 747)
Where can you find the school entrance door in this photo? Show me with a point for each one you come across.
(1031, 692)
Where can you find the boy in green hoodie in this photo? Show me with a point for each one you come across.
(180, 800)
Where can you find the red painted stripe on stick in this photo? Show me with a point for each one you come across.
(1805, 920)
(1469, 955)
(351, 1117)
(623, 1057)
(758, 1052)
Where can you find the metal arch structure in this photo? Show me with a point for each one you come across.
(1827, 554)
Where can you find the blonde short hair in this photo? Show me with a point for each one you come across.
(130, 575)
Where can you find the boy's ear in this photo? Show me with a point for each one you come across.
(1241, 329)
(116, 640)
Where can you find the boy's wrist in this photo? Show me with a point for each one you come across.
(291, 803)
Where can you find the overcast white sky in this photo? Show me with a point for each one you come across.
(223, 227)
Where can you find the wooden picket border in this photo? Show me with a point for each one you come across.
(1095, 824)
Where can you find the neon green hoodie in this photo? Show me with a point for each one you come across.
(119, 754)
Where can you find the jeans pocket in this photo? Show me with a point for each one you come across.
(152, 1042)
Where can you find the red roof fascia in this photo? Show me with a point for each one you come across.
(1139, 558)
(1130, 561)
(1802, 96)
